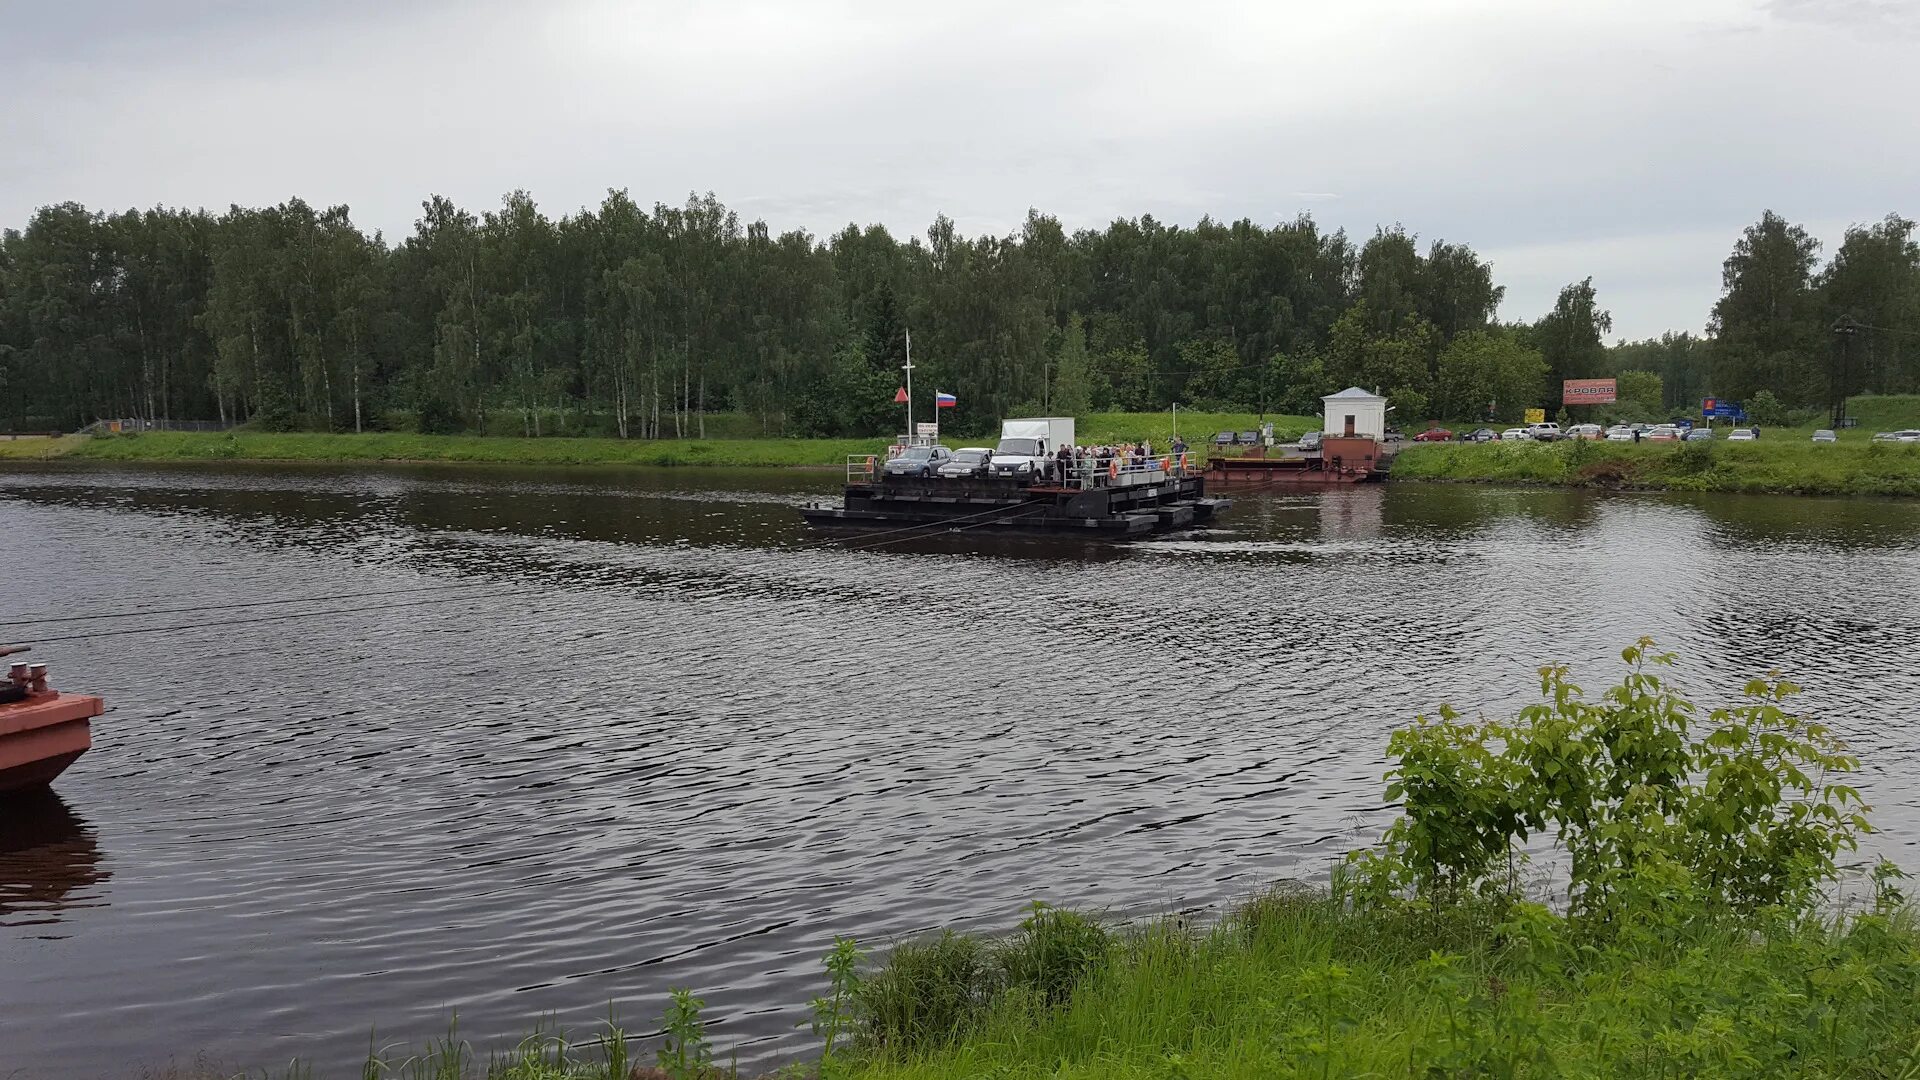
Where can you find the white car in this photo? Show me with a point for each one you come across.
(1741, 435)
(1584, 431)
(1825, 435)
(1906, 435)
(1663, 433)
(1514, 434)
(1620, 433)
(1547, 432)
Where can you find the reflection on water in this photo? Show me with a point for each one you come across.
(49, 861)
(664, 736)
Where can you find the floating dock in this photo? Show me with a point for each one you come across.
(1340, 460)
(1098, 501)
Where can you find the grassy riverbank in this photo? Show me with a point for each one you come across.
(1770, 465)
(396, 446)
(744, 452)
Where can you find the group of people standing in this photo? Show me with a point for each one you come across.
(1077, 462)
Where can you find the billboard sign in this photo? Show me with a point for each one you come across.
(1587, 392)
(1535, 416)
(1721, 409)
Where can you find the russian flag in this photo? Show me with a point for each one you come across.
(944, 401)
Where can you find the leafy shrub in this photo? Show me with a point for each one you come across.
(1053, 951)
(1656, 812)
(1765, 409)
(928, 994)
(1693, 458)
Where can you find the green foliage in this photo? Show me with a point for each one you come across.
(1765, 409)
(685, 1053)
(1487, 377)
(929, 993)
(1654, 810)
(1072, 372)
(835, 1014)
(1779, 462)
(1053, 951)
(1570, 337)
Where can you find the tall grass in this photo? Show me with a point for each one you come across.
(1775, 465)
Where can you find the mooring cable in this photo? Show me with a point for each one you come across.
(120, 631)
(39, 619)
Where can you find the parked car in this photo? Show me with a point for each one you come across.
(966, 461)
(1437, 434)
(1742, 435)
(1393, 435)
(1485, 434)
(918, 461)
(1584, 431)
(1905, 435)
(1700, 434)
(1662, 433)
(1309, 441)
(1547, 432)
(1825, 435)
(1514, 434)
(1620, 433)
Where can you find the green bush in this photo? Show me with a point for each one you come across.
(1656, 811)
(1053, 951)
(928, 993)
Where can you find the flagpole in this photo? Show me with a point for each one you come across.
(909, 370)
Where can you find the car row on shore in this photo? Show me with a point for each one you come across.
(1633, 433)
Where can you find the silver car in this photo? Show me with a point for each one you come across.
(917, 461)
(1825, 435)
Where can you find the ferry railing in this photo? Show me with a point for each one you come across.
(863, 468)
(1124, 472)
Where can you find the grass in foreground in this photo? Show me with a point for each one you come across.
(1776, 465)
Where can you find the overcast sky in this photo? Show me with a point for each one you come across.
(1626, 139)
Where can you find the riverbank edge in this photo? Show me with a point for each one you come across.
(1856, 469)
(1287, 982)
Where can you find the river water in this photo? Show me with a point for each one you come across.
(657, 736)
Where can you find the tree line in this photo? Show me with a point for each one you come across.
(647, 322)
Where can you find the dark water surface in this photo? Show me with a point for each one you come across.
(659, 738)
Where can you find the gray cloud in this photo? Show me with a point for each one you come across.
(1629, 140)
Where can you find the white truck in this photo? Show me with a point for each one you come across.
(1027, 446)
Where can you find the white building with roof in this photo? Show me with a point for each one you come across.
(1353, 411)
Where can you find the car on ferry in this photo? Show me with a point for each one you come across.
(1547, 431)
(1584, 431)
(968, 461)
(1514, 434)
(1434, 434)
(917, 461)
(1742, 435)
(1620, 433)
(1825, 435)
(1485, 434)
(1662, 433)
(1699, 434)
(1905, 435)
(1309, 441)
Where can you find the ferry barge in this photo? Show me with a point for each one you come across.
(42, 731)
(1103, 500)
